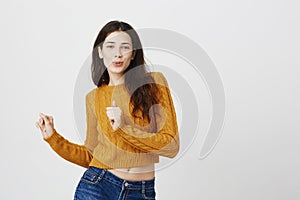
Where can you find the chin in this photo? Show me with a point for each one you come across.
(117, 71)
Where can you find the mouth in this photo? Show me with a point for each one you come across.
(118, 64)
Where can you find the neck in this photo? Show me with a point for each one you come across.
(116, 79)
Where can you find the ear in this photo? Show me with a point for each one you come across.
(133, 54)
(100, 52)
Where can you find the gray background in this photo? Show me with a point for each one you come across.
(254, 45)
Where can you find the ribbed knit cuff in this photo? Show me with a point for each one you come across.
(120, 130)
(53, 138)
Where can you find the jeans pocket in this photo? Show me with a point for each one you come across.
(149, 194)
(90, 177)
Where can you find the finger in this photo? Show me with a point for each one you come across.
(43, 117)
(37, 125)
(113, 109)
(110, 108)
(113, 114)
(51, 119)
(111, 117)
(112, 122)
(46, 119)
(110, 112)
(41, 120)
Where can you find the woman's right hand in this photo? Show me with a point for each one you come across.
(46, 125)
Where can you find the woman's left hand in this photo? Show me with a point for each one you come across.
(114, 115)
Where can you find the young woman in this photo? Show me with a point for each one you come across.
(131, 121)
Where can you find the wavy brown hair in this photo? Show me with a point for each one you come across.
(140, 84)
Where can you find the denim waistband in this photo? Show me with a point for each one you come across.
(105, 174)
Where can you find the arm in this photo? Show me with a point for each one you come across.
(165, 140)
(74, 153)
(78, 154)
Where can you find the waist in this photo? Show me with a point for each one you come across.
(146, 172)
(134, 184)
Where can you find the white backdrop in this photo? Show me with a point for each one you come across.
(254, 45)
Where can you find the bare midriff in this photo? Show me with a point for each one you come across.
(135, 173)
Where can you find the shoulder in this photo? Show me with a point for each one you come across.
(159, 78)
(90, 95)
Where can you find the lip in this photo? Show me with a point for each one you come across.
(118, 63)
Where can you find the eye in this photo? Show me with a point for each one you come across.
(126, 47)
(110, 46)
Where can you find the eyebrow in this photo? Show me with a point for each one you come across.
(114, 42)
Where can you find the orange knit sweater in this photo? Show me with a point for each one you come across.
(136, 142)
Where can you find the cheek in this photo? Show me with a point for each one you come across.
(128, 56)
(107, 60)
(106, 63)
(128, 60)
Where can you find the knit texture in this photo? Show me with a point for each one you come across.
(136, 142)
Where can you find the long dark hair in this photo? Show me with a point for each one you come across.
(140, 84)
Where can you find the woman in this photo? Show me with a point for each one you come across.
(131, 121)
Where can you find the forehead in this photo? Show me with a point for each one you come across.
(118, 37)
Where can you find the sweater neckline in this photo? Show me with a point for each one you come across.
(110, 87)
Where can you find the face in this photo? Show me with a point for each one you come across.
(117, 52)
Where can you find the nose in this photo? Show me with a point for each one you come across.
(118, 53)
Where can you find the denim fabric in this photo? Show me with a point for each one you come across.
(100, 184)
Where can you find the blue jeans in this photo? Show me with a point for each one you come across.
(100, 184)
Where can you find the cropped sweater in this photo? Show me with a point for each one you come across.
(136, 142)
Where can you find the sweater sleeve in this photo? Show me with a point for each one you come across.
(77, 154)
(74, 153)
(164, 141)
